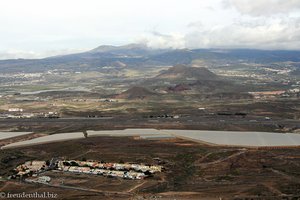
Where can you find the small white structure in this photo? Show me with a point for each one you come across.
(15, 110)
(44, 179)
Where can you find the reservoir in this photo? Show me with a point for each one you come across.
(6, 135)
(239, 138)
(228, 138)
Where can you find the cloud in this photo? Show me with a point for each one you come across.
(16, 53)
(197, 24)
(258, 34)
(158, 40)
(274, 34)
(263, 7)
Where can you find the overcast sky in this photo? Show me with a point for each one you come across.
(39, 28)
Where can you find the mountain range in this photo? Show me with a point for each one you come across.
(137, 56)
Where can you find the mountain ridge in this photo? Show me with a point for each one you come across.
(136, 55)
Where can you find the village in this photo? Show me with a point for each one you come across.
(33, 171)
(18, 113)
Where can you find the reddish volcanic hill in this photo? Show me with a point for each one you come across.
(180, 87)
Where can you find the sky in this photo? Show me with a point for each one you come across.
(41, 28)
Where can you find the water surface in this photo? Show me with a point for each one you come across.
(231, 138)
(6, 135)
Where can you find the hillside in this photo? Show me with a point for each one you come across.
(196, 80)
(136, 92)
(126, 50)
(295, 72)
(185, 72)
(141, 56)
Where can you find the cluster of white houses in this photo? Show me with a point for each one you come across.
(30, 168)
(115, 166)
(17, 113)
(106, 172)
(122, 170)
